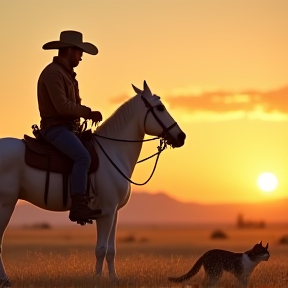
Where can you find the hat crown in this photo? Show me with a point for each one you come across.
(71, 37)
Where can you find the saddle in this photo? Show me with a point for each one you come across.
(42, 155)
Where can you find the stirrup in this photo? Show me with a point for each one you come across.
(84, 221)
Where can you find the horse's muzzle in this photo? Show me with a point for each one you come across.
(176, 142)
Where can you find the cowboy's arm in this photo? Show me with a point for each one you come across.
(54, 83)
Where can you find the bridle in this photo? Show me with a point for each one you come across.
(165, 133)
(164, 138)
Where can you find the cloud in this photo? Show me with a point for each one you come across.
(224, 101)
(269, 105)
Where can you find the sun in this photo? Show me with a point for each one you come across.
(267, 182)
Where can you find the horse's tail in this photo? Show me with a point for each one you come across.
(192, 272)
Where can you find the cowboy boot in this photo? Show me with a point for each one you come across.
(80, 211)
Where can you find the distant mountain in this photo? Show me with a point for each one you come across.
(145, 208)
(160, 208)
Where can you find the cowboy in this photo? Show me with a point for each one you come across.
(60, 111)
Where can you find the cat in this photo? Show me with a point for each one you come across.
(216, 261)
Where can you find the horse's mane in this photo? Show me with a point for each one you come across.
(119, 118)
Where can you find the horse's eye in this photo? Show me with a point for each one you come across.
(160, 108)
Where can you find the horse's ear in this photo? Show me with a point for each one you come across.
(146, 90)
(137, 90)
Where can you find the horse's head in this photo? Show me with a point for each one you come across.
(158, 121)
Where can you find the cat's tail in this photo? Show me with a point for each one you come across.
(193, 271)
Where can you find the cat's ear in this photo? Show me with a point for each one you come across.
(260, 243)
(267, 246)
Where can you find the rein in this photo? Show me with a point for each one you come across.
(83, 127)
(162, 146)
(130, 141)
(123, 140)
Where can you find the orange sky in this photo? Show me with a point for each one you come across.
(220, 66)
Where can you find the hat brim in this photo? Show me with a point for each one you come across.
(85, 46)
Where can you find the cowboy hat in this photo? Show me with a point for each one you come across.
(71, 39)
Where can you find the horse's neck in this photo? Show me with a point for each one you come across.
(127, 123)
(122, 121)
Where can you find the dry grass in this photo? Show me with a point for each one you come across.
(145, 256)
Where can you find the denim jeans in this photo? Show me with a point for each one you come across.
(69, 144)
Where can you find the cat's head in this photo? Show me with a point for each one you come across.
(259, 252)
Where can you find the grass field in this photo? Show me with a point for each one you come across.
(64, 257)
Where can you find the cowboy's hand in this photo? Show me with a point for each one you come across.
(95, 116)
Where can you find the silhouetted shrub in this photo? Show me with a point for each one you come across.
(218, 234)
(129, 238)
(284, 240)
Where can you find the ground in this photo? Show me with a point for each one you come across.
(146, 255)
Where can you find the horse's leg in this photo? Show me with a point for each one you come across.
(5, 215)
(9, 187)
(111, 251)
(104, 226)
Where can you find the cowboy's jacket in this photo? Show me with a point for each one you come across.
(58, 96)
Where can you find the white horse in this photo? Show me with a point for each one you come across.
(142, 114)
